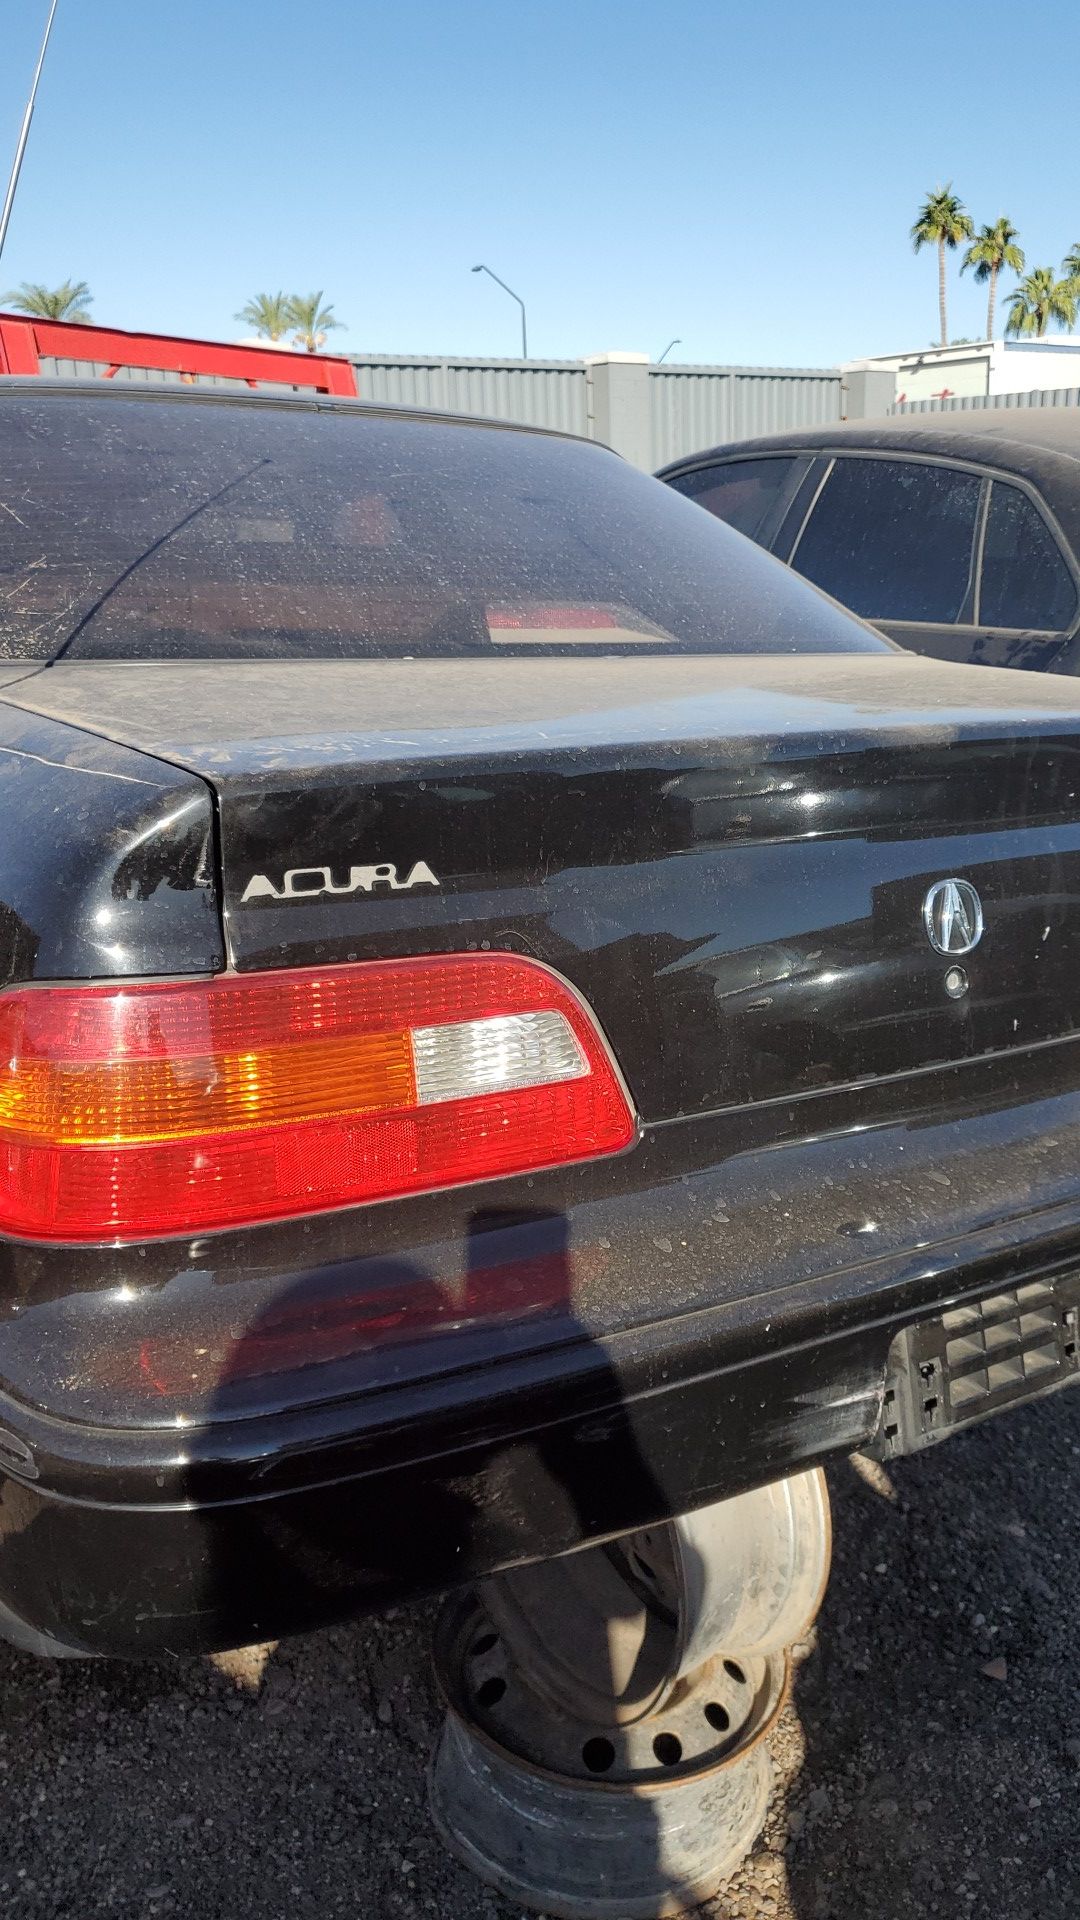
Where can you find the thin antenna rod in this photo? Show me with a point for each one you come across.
(24, 133)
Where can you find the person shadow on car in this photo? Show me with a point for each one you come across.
(566, 1469)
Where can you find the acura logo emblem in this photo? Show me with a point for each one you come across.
(953, 916)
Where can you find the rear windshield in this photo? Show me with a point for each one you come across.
(170, 529)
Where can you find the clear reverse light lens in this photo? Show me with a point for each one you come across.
(494, 1056)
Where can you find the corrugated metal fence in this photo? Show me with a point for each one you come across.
(977, 402)
(689, 407)
(538, 393)
(654, 414)
(696, 407)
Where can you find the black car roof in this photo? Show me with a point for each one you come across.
(996, 435)
(1038, 444)
(304, 401)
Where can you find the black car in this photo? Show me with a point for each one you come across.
(956, 534)
(519, 1017)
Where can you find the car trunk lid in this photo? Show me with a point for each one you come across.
(732, 859)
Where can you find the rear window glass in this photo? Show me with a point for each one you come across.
(1025, 582)
(742, 493)
(165, 529)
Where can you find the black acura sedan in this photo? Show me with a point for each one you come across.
(519, 1018)
(956, 534)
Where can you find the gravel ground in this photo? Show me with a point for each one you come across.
(929, 1763)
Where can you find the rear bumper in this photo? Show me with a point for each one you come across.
(724, 1303)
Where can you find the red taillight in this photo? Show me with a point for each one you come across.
(150, 1108)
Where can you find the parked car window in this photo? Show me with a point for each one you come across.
(893, 539)
(192, 528)
(742, 493)
(1025, 582)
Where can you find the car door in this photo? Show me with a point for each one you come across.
(945, 558)
(1027, 604)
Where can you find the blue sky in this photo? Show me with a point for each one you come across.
(742, 176)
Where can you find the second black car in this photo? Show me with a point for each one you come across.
(956, 534)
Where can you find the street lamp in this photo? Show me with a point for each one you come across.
(667, 350)
(514, 296)
(24, 134)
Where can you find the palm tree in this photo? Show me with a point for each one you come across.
(72, 301)
(1039, 299)
(270, 314)
(311, 320)
(1070, 266)
(993, 248)
(943, 222)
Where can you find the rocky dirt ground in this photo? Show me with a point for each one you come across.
(929, 1763)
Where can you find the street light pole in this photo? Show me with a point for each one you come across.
(667, 350)
(24, 133)
(514, 296)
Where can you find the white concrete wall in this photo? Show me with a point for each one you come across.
(932, 371)
(980, 368)
(1021, 366)
(960, 371)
